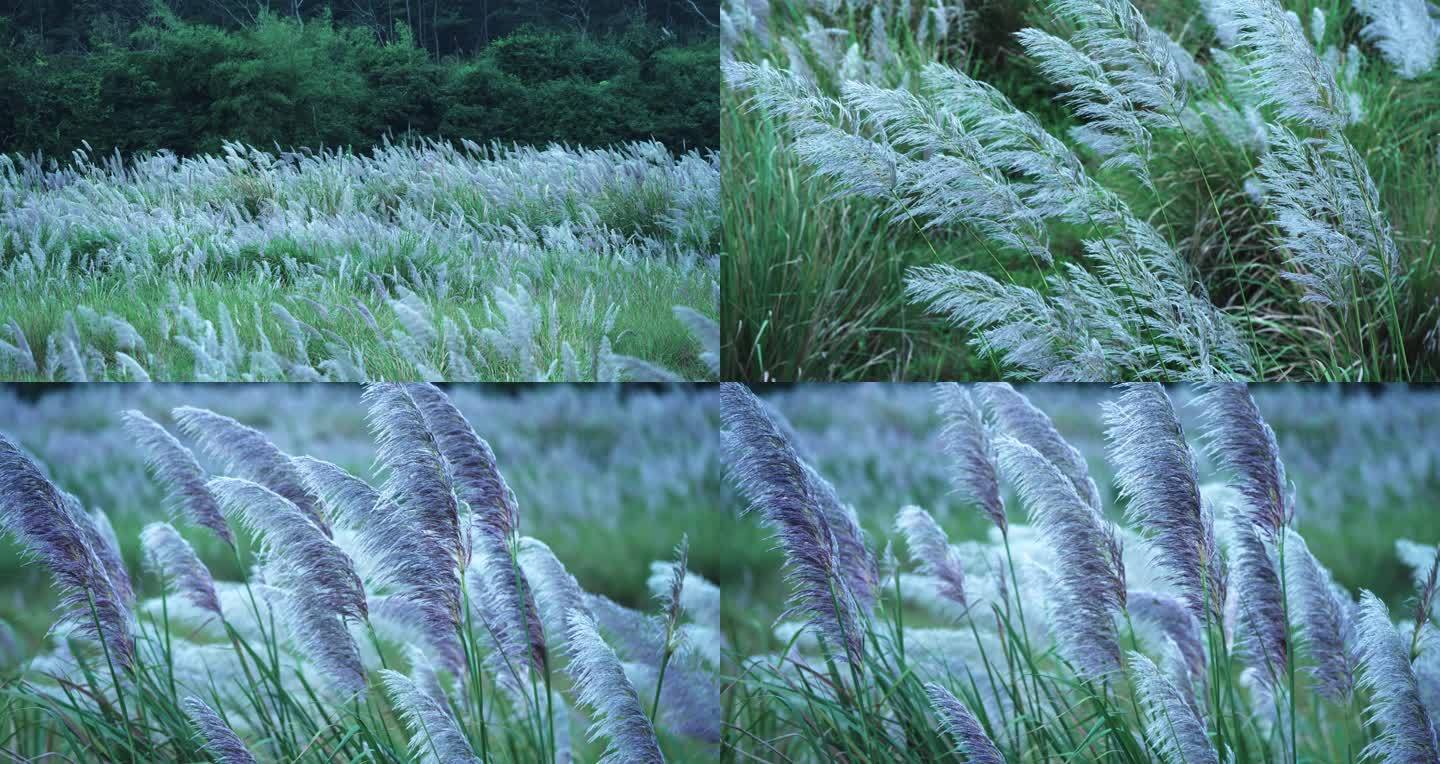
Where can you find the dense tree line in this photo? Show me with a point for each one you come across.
(442, 27)
(187, 86)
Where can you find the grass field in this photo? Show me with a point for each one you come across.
(845, 213)
(828, 664)
(608, 478)
(433, 261)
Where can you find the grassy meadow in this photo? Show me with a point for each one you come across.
(604, 482)
(890, 214)
(420, 261)
(1039, 555)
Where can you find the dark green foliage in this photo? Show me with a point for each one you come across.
(190, 87)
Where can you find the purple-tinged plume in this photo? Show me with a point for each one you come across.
(106, 545)
(248, 453)
(1172, 727)
(312, 582)
(1261, 632)
(1022, 421)
(1407, 734)
(416, 535)
(1240, 441)
(933, 553)
(956, 719)
(556, 591)
(1176, 622)
(175, 466)
(967, 441)
(473, 467)
(349, 500)
(857, 563)
(46, 524)
(435, 736)
(170, 555)
(1156, 473)
(601, 685)
(1089, 582)
(221, 742)
(790, 498)
(297, 554)
(495, 516)
(1322, 620)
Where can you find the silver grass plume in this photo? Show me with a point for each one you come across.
(495, 518)
(671, 597)
(349, 500)
(221, 742)
(600, 683)
(967, 441)
(1023, 421)
(1405, 31)
(248, 453)
(1322, 619)
(1123, 77)
(175, 466)
(1089, 581)
(1284, 68)
(856, 560)
(784, 490)
(1156, 474)
(107, 547)
(1261, 630)
(435, 736)
(932, 552)
(556, 591)
(56, 532)
(956, 719)
(1172, 725)
(1327, 207)
(310, 579)
(1407, 734)
(416, 535)
(1174, 621)
(1238, 439)
(170, 555)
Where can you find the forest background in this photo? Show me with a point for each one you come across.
(187, 75)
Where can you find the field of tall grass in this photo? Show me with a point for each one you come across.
(1080, 190)
(985, 574)
(316, 573)
(419, 261)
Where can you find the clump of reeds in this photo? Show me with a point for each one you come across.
(1233, 644)
(380, 623)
